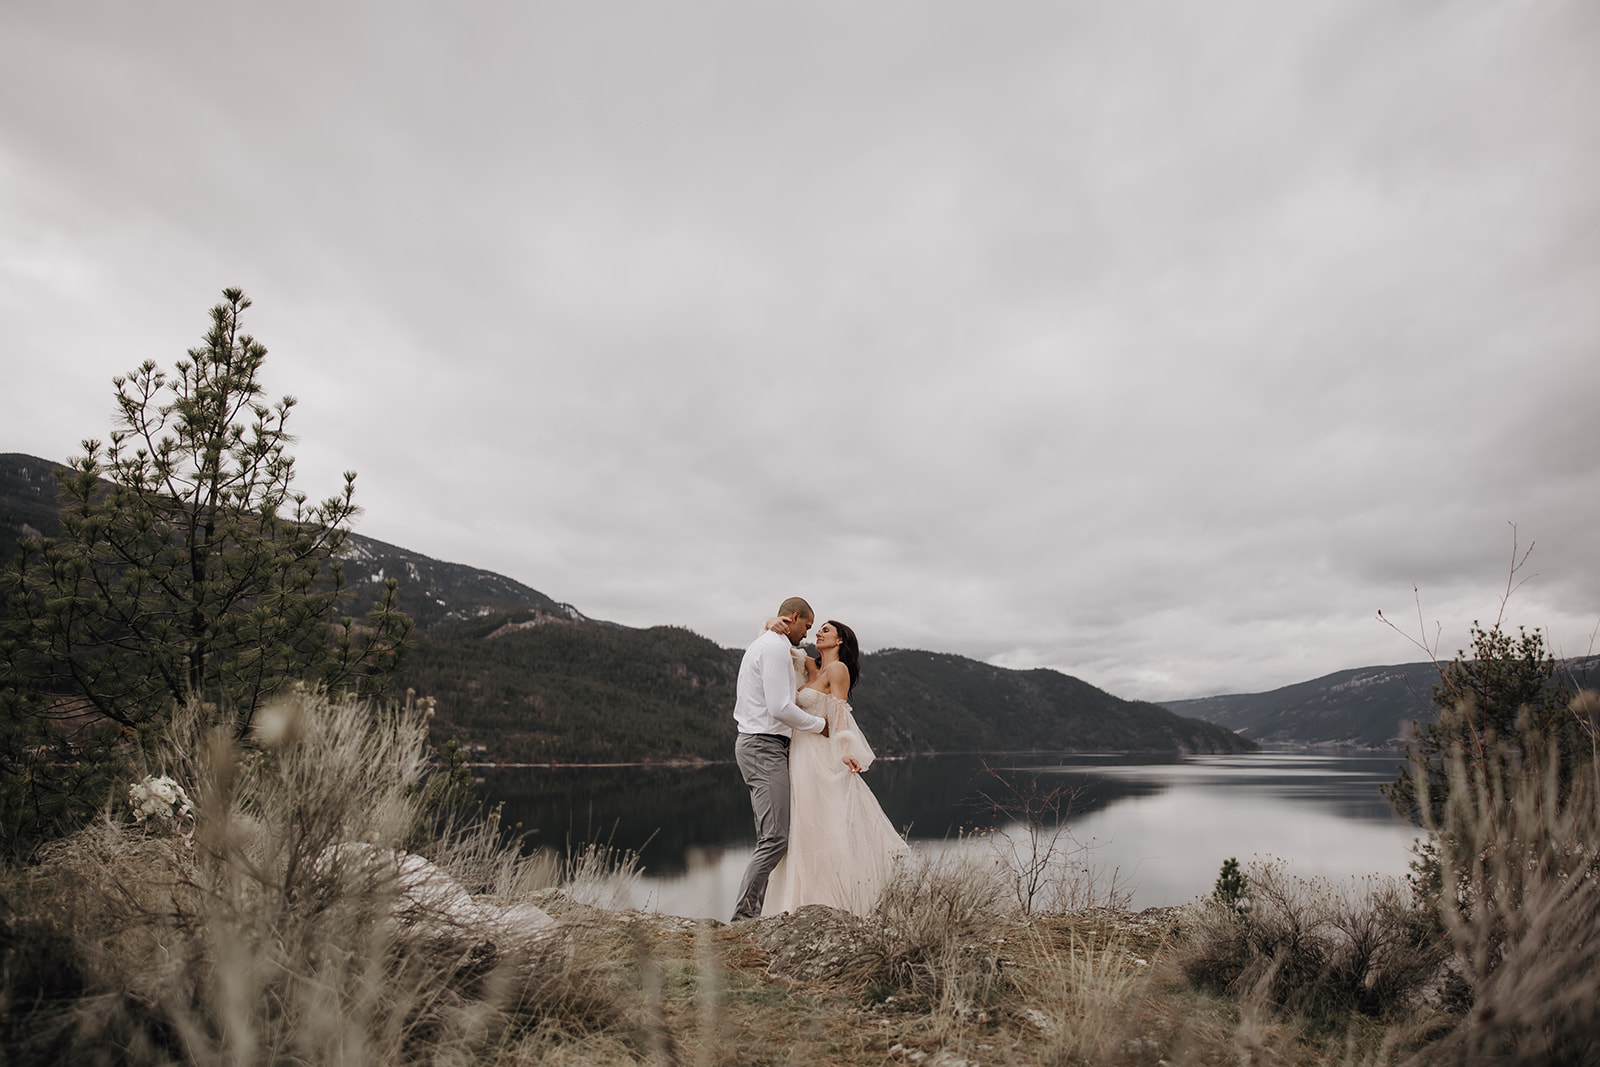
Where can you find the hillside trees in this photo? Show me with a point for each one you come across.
(187, 569)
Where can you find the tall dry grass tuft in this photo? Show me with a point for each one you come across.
(943, 922)
(1518, 859)
(1079, 993)
(600, 875)
(287, 921)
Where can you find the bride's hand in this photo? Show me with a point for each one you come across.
(852, 764)
(778, 625)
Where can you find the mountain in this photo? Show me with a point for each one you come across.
(27, 501)
(431, 591)
(935, 701)
(520, 676)
(534, 687)
(1369, 707)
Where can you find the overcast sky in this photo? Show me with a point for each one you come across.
(1162, 344)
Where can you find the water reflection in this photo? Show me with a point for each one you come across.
(1322, 814)
(1345, 785)
(1164, 826)
(660, 812)
(665, 812)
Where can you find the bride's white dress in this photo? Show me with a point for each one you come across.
(842, 847)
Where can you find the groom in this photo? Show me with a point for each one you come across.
(766, 713)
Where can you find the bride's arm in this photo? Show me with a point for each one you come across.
(838, 676)
(852, 748)
(838, 680)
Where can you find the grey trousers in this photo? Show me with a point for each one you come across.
(764, 761)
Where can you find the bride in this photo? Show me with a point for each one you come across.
(842, 847)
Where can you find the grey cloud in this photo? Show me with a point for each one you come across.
(1161, 344)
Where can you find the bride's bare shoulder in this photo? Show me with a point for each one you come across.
(838, 676)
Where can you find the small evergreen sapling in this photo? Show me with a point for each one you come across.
(1232, 885)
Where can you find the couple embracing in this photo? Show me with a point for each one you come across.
(821, 837)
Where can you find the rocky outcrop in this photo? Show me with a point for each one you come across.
(428, 904)
(816, 942)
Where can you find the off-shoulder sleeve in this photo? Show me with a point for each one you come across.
(847, 735)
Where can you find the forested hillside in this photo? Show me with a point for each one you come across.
(27, 501)
(532, 687)
(933, 701)
(535, 688)
(1368, 707)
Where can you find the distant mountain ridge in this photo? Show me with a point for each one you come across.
(1367, 707)
(431, 591)
(521, 676)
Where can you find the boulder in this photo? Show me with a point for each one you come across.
(429, 904)
(815, 942)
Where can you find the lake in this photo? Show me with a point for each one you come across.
(1164, 825)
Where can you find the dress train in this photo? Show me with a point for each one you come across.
(842, 847)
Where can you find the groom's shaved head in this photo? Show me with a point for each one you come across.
(795, 606)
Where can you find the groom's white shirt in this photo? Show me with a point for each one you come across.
(764, 698)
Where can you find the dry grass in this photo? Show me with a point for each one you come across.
(942, 924)
(1315, 947)
(1497, 959)
(282, 926)
(286, 924)
(1519, 861)
(1075, 983)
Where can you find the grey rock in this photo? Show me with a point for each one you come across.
(816, 942)
(428, 904)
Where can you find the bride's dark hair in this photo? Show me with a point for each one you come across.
(849, 650)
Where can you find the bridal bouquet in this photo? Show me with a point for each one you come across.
(159, 798)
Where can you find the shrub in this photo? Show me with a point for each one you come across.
(1518, 855)
(290, 925)
(943, 919)
(1504, 933)
(1311, 946)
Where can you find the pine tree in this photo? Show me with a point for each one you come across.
(1501, 705)
(187, 569)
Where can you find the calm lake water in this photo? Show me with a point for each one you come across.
(1163, 826)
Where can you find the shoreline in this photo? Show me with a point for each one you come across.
(689, 764)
